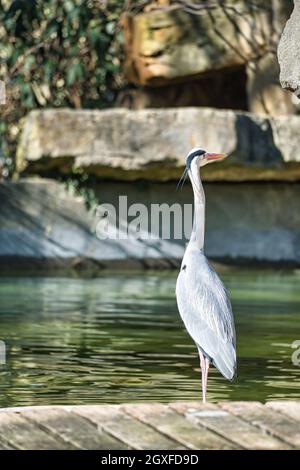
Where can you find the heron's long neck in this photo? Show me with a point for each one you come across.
(197, 236)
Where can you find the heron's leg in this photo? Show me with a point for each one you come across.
(204, 363)
(206, 374)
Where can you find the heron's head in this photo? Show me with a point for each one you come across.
(200, 157)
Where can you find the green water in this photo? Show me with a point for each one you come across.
(119, 338)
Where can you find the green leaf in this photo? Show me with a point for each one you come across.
(74, 73)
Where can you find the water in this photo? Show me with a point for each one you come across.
(119, 338)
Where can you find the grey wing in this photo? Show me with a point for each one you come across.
(206, 311)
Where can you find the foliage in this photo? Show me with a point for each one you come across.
(57, 53)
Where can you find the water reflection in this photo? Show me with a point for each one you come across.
(119, 338)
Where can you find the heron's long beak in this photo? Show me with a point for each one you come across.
(215, 156)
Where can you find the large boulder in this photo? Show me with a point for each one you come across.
(187, 53)
(44, 225)
(289, 52)
(152, 144)
(175, 42)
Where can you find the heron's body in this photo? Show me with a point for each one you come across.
(203, 302)
(207, 313)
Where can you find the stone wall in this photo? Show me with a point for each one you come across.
(44, 226)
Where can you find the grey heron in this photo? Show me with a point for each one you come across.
(202, 300)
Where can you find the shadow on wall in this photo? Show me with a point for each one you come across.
(255, 142)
